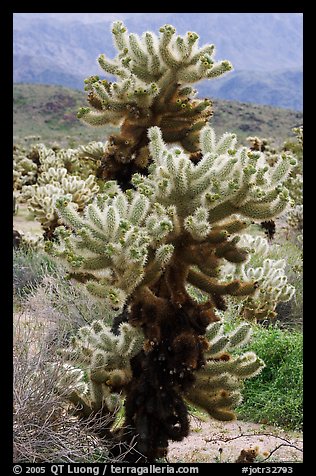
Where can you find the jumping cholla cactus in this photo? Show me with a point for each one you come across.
(106, 359)
(138, 250)
(30, 240)
(31, 161)
(154, 74)
(295, 181)
(268, 273)
(169, 221)
(24, 169)
(265, 145)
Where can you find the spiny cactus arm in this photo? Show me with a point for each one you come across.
(240, 336)
(71, 384)
(211, 285)
(52, 175)
(94, 150)
(99, 118)
(219, 382)
(224, 182)
(130, 342)
(230, 227)
(106, 359)
(261, 211)
(217, 406)
(206, 69)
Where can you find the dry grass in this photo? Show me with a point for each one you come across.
(45, 430)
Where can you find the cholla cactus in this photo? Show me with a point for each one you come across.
(24, 169)
(295, 181)
(295, 188)
(227, 180)
(295, 217)
(47, 158)
(105, 359)
(94, 150)
(268, 273)
(84, 160)
(138, 250)
(112, 234)
(169, 221)
(258, 143)
(262, 144)
(53, 184)
(219, 381)
(154, 74)
(32, 162)
(24, 172)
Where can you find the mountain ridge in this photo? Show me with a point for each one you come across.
(55, 49)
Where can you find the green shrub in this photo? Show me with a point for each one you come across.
(275, 395)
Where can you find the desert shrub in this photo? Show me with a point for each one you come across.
(69, 305)
(44, 430)
(29, 268)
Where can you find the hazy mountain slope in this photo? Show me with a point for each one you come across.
(263, 47)
(281, 88)
(50, 111)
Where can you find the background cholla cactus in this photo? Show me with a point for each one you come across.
(32, 161)
(51, 175)
(295, 187)
(295, 217)
(24, 170)
(262, 144)
(268, 273)
(53, 184)
(29, 240)
(295, 180)
(154, 74)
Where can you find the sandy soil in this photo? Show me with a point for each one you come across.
(214, 442)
